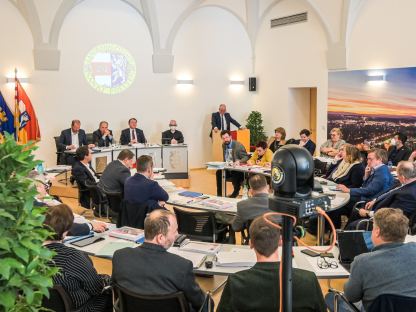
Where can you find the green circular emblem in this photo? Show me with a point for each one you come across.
(109, 68)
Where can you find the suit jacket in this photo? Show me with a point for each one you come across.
(238, 152)
(403, 197)
(354, 177)
(114, 177)
(249, 209)
(151, 270)
(310, 146)
(167, 136)
(65, 139)
(216, 121)
(376, 184)
(139, 189)
(397, 155)
(257, 289)
(98, 140)
(81, 174)
(125, 136)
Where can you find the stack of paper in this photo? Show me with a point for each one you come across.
(196, 258)
(128, 233)
(237, 257)
(216, 203)
(108, 250)
(205, 248)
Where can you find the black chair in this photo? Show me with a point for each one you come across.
(245, 235)
(58, 300)
(98, 199)
(200, 226)
(128, 301)
(340, 297)
(132, 214)
(114, 203)
(59, 152)
(90, 138)
(84, 198)
(393, 303)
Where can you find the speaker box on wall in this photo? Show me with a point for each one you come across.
(252, 84)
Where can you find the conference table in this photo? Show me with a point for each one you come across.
(107, 247)
(173, 158)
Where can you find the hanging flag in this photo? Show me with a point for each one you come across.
(26, 122)
(6, 118)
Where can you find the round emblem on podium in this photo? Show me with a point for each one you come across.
(109, 68)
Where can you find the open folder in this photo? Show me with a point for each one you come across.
(236, 257)
(196, 258)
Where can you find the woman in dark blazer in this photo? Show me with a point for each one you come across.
(77, 274)
(349, 171)
(306, 142)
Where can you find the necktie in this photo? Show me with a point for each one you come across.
(222, 123)
(133, 134)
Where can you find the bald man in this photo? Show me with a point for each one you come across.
(172, 136)
(222, 120)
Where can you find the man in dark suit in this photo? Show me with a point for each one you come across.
(244, 288)
(83, 173)
(172, 136)
(71, 139)
(256, 205)
(141, 189)
(232, 151)
(222, 120)
(103, 136)
(150, 269)
(117, 172)
(402, 197)
(399, 151)
(132, 135)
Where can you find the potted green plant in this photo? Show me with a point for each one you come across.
(255, 124)
(25, 275)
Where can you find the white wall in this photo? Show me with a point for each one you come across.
(210, 52)
(299, 100)
(290, 57)
(383, 36)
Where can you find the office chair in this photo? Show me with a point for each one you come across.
(58, 300)
(245, 235)
(339, 297)
(393, 303)
(132, 214)
(128, 301)
(59, 152)
(200, 225)
(98, 200)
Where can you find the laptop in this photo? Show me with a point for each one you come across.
(352, 244)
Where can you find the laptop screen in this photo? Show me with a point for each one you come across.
(352, 244)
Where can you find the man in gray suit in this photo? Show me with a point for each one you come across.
(256, 205)
(116, 173)
(232, 151)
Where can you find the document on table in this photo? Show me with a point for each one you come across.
(196, 258)
(108, 250)
(236, 257)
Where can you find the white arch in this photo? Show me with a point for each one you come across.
(191, 9)
(29, 13)
(66, 7)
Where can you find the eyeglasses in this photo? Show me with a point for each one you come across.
(326, 263)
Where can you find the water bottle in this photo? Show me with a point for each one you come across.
(40, 168)
(245, 192)
(390, 164)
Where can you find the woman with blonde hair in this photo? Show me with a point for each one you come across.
(349, 170)
(331, 146)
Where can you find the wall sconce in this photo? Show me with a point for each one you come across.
(376, 78)
(184, 82)
(237, 82)
(22, 80)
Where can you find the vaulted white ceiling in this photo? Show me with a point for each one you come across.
(164, 19)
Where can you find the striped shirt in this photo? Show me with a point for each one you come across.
(79, 278)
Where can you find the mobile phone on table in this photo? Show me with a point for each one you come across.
(310, 252)
(327, 254)
(87, 241)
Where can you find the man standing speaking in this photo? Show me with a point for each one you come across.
(221, 120)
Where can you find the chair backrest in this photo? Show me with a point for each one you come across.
(132, 214)
(245, 235)
(131, 302)
(59, 151)
(96, 194)
(114, 200)
(393, 303)
(90, 138)
(58, 300)
(196, 225)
